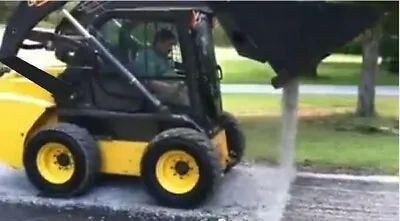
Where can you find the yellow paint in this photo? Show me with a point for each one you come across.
(121, 157)
(14, 83)
(49, 167)
(54, 70)
(23, 107)
(117, 157)
(221, 144)
(28, 108)
(18, 115)
(168, 176)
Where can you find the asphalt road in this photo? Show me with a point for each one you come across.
(311, 199)
(17, 212)
(314, 199)
(249, 192)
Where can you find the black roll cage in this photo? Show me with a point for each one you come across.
(177, 17)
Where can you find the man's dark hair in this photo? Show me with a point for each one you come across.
(164, 35)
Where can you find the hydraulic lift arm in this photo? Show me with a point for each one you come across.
(26, 16)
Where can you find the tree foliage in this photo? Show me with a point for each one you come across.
(389, 43)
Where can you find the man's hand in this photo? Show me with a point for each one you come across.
(171, 91)
(159, 86)
(166, 87)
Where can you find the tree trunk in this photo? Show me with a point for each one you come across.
(366, 87)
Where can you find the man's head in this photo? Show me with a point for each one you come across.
(164, 40)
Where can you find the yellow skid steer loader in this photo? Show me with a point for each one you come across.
(139, 94)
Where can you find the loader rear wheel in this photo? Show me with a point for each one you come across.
(62, 160)
(235, 139)
(180, 168)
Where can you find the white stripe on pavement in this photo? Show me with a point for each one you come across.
(306, 89)
(372, 178)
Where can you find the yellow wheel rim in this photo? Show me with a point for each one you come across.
(177, 172)
(55, 163)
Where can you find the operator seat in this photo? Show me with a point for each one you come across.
(97, 81)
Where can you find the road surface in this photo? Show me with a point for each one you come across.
(315, 199)
(311, 198)
(249, 192)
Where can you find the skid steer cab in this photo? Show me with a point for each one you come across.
(139, 95)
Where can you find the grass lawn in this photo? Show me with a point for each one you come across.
(341, 70)
(329, 137)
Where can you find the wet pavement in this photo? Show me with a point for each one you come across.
(247, 193)
(315, 199)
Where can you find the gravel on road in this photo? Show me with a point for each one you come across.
(249, 192)
(314, 199)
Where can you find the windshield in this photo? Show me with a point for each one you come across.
(150, 49)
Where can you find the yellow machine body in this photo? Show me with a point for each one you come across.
(26, 107)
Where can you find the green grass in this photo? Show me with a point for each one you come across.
(244, 71)
(329, 136)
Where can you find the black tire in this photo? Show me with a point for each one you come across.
(196, 145)
(236, 139)
(82, 147)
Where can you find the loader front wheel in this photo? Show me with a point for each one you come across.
(180, 168)
(62, 160)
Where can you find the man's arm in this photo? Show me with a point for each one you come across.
(146, 65)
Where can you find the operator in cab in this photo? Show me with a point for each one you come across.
(153, 61)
